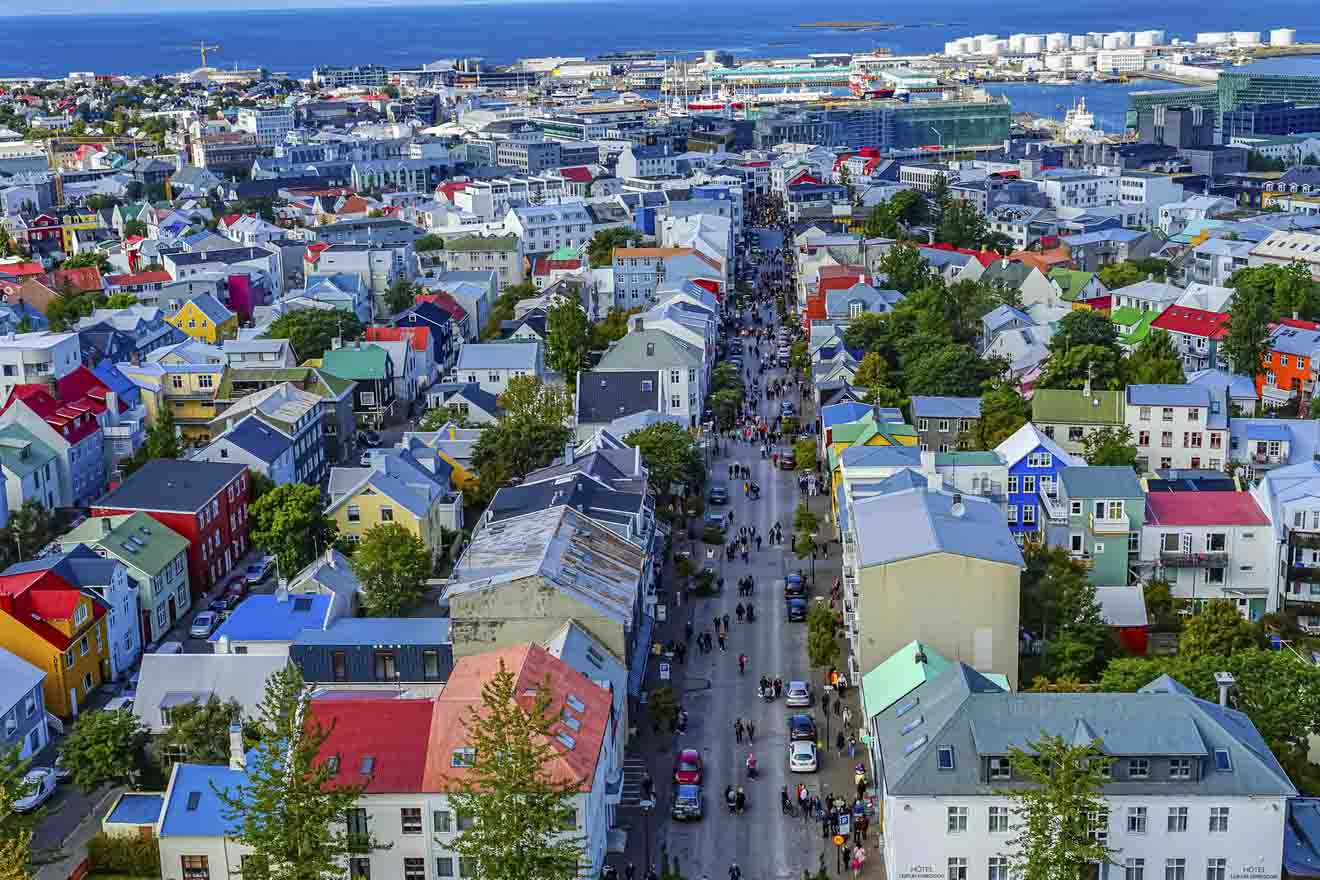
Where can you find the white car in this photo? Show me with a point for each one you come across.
(40, 785)
(798, 694)
(256, 571)
(203, 625)
(802, 756)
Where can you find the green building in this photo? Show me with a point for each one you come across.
(1236, 89)
(950, 124)
(1097, 515)
(1207, 98)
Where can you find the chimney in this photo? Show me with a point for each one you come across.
(105, 526)
(861, 279)
(568, 453)
(330, 556)
(282, 592)
(111, 408)
(958, 510)
(637, 323)
(1225, 680)
(237, 758)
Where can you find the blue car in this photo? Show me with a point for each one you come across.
(797, 609)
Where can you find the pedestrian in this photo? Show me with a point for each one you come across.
(839, 743)
(648, 786)
(742, 663)
(847, 716)
(852, 745)
(717, 623)
(758, 543)
(630, 872)
(723, 648)
(726, 623)
(751, 731)
(740, 611)
(737, 730)
(862, 823)
(824, 697)
(784, 803)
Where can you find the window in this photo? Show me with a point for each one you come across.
(354, 513)
(923, 424)
(1000, 768)
(80, 616)
(998, 868)
(356, 820)
(1100, 826)
(998, 820)
(1216, 869)
(87, 682)
(1077, 543)
(367, 398)
(1138, 768)
(1028, 513)
(195, 867)
(1040, 460)
(1166, 414)
(1143, 438)
(1144, 414)
(1134, 869)
(339, 666)
(1075, 434)
(1075, 508)
(1012, 485)
(1136, 820)
(1177, 820)
(1180, 768)
(1214, 575)
(443, 820)
(1166, 439)
(444, 866)
(957, 820)
(1223, 763)
(464, 757)
(431, 665)
(1012, 513)
(462, 822)
(359, 868)
(414, 869)
(386, 514)
(1219, 819)
(383, 666)
(82, 647)
(410, 820)
(957, 869)
(1028, 484)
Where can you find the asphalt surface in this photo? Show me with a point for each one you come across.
(763, 841)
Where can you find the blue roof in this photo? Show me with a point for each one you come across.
(136, 809)
(1301, 838)
(211, 307)
(255, 436)
(842, 413)
(194, 785)
(266, 619)
(946, 407)
(1302, 436)
(1168, 395)
(1294, 340)
(841, 504)
(1239, 387)
(881, 456)
(498, 356)
(1002, 315)
(917, 522)
(1265, 431)
(1128, 235)
(379, 631)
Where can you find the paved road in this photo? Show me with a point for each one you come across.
(764, 842)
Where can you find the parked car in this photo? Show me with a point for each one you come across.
(256, 571)
(801, 727)
(788, 460)
(798, 694)
(794, 588)
(688, 803)
(716, 519)
(802, 756)
(786, 409)
(218, 605)
(719, 493)
(62, 771)
(203, 625)
(40, 784)
(797, 609)
(687, 767)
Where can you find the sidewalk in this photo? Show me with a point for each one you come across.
(74, 846)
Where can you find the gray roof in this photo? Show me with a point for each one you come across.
(173, 679)
(946, 407)
(17, 678)
(605, 396)
(905, 525)
(650, 349)
(964, 711)
(1101, 482)
(173, 485)
(498, 356)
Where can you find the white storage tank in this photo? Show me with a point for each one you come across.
(1283, 37)
(1033, 44)
(1124, 39)
(1146, 39)
(1110, 42)
(1081, 61)
(1056, 62)
(1078, 41)
(1056, 42)
(1015, 42)
(998, 47)
(1246, 38)
(1095, 39)
(1212, 38)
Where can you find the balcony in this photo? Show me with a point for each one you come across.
(1107, 526)
(1304, 539)
(1054, 509)
(1260, 461)
(1179, 559)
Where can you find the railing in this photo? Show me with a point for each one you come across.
(1259, 460)
(1054, 510)
(1304, 539)
(1106, 526)
(1085, 560)
(1179, 559)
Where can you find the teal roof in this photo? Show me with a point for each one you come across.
(356, 362)
(899, 676)
(137, 540)
(21, 452)
(967, 459)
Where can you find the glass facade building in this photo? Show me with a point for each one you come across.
(888, 125)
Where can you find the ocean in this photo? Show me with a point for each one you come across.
(294, 40)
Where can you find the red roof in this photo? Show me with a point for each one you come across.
(81, 280)
(419, 336)
(576, 173)
(545, 265)
(34, 597)
(1099, 303)
(1203, 509)
(1193, 322)
(985, 258)
(448, 189)
(74, 422)
(1299, 323)
(392, 732)
(21, 269)
(444, 300)
(155, 276)
(86, 388)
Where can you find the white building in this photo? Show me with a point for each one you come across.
(546, 228)
(37, 357)
(1071, 189)
(268, 124)
(1177, 426)
(492, 364)
(1120, 60)
(1142, 194)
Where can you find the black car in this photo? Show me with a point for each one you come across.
(687, 803)
(794, 586)
(797, 609)
(801, 727)
(719, 493)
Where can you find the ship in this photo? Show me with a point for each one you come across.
(1079, 123)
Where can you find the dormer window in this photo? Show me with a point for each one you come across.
(1000, 768)
(1223, 763)
(944, 757)
(1138, 768)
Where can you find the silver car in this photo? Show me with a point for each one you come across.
(802, 756)
(798, 694)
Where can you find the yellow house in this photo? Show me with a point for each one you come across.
(184, 380)
(56, 627)
(71, 223)
(889, 430)
(410, 487)
(206, 319)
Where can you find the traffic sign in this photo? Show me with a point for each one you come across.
(664, 672)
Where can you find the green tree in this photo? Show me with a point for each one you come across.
(29, 530)
(400, 296)
(804, 450)
(429, 242)
(568, 338)
(437, 417)
(874, 376)
(120, 301)
(1059, 606)
(1003, 411)
(1110, 446)
(1218, 629)
(162, 441)
(1055, 816)
(904, 268)
(612, 328)
(806, 523)
(600, 250)
(311, 332)
(882, 222)
(822, 636)
(1116, 275)
(871, 332)
(963, 225)
(521, 806)
(135, 227)
(1155, 361)
(89, 259)
(1072, 367)
(670, 454)
(15, 828)
(1084, 327)
(104, 747)
(505, 307)
(290, 806)
(952, 370)
(289, 521)
(392, 564)
(199, 731)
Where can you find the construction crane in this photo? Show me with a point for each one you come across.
(203, 47)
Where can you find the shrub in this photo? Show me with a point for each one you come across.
(132, 856)
(712, 535)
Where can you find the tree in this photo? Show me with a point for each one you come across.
(870, 332)
(822, 636)
(1218, 629)
(505, 307)
(290, 807)
(519, 801)
(312, 332)
(289, 522)
(1055, 816)
(1155, 361)
(162, 441)
(1116, 275)
(1071, 368)
(670, 455)
(1059, 606)
(567, 339)
(600, 250)
(963, 225)
(437, 417)
(393, 564)
(612, 328)
(199, 731)
(904, 268)
(882, 222)
(1110, 446)
(1003, 411)
(135, 227)
(29, 530)
(88, 259)
(429, 242)
(400, 296)
(805, 522)
(104, 747)
(1084, 327)
(952, 370)
(120, 301)
(804, 450)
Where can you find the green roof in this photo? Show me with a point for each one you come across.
(967, 459)
(1133, 324)
(565, 253)
(483, 243)
(1070, 281)
(1059, 405)
(309, 379)
(154, 547)
(900, 675)
(356, 362)
(13, 439)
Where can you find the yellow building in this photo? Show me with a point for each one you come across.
(183, 378)
(59, 629)
(409, 487)
(206, 319)
(71, 223)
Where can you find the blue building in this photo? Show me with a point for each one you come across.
(1034, 462)
(22, 706)
(364, 650)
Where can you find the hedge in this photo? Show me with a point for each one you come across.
(129, 855)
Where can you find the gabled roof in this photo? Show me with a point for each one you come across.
(263, 441)
(498, 356)
(1073, 406)
(209, 306)
(1100, 481)
(356, 362)
(605, 396)
(903, 525)
(1194, 322)
(380, 740)
(1203, 509)
(1026, 440)
(172, 679)
(194, 808)
(172, 485)
(900, 674)
(946, 407)
(34, 598)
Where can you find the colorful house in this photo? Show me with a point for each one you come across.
(59, 629)
(410, 487)
(1034, 462)
(206, 319)
(883, 428)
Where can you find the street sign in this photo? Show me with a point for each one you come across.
(839, 840)
(845, 824)
(664, 672)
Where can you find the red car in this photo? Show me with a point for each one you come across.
(687, 767)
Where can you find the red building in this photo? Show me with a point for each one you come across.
(206, 502)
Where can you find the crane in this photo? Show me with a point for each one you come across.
(203, 47)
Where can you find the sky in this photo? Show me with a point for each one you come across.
(18, 8)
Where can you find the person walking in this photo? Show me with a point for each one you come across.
(738, 730)
(839, 743)
(852, 745)
(751, 731)
(630, 872)
(723, 647)
(847, 716)
(742, 663)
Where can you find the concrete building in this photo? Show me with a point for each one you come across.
(1177, 426)
(269, 125)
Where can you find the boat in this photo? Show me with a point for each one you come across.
(1056, 81)
(1079, 123)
